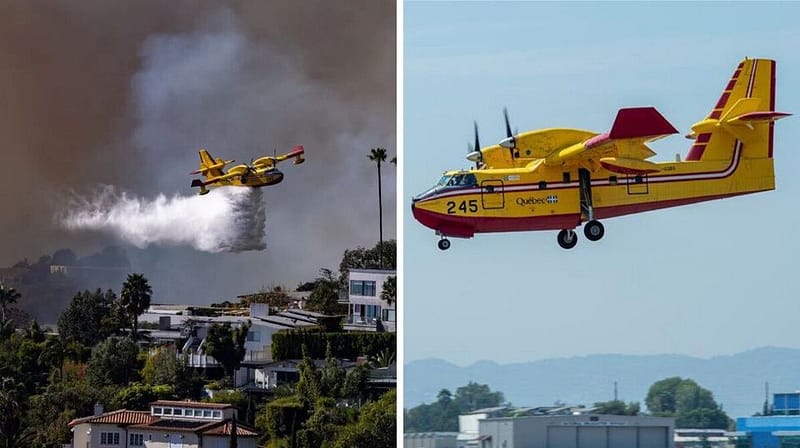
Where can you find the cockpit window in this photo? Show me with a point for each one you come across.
(469, 180)
(443, 180)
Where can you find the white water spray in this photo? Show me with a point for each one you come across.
(225, 220)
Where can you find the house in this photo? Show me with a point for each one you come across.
(168, 424)
(364, 304)
(187, 332)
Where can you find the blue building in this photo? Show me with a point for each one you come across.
(779, 430)
(786, 404)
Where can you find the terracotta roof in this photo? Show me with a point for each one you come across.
(224, 429)
(191, 404)
(120, 417)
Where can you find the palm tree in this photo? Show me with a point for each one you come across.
(135, 298)
(7, 297)
(378, 155)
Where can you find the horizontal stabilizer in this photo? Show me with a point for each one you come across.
(623, 165)
(637, 122)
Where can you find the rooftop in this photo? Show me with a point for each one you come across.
(121, 417)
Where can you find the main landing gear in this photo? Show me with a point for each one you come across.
(444, 244)
(593, 230)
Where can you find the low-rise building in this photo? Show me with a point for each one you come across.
(364, 304)
(430, 440)
(576, 431)
(168, 424)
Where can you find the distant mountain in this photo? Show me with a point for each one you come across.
(737, 381)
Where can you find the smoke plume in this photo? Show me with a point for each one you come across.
(226, 220)
(126, 93)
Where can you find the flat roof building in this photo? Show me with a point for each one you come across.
(576, 431)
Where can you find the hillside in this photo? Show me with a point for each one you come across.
(737, 381)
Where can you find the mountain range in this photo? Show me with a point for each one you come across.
(737, 381)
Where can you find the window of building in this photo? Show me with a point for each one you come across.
(362, 288)
(253, 336)
(388, 315)
(136, 439)
(109, 438)
(167, 411)
(177, 412)
(158, 411)
(217, 414)
(206, 413)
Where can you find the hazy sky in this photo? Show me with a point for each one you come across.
(713, 278)
(97, 93)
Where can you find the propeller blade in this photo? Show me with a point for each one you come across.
(477, 140)
(509, 142)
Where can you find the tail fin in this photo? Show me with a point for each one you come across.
(210, 167)
(745, 112)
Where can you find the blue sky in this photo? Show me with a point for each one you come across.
(709, 279)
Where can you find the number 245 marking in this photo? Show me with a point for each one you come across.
(470, 206)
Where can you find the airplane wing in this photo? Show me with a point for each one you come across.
(266, 163)
(624, 147)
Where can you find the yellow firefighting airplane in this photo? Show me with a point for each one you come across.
(260, 173)
(557, 179)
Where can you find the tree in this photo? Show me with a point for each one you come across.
(325, 296)
(88, 318)
(384, 254)
(113, 362)
(389, 291)
(12, 405)
(617, 407)
(692, 405)
(8, 296)
(442, 415)
(135, 299)
(226, 345)
(378, 155)
(161, 367)
(137, 397)
(375, 428)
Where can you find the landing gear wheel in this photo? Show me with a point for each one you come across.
(444, 244)
(567, 239)
(594, 230)
(244, 179)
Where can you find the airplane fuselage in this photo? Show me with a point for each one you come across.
(546, 197)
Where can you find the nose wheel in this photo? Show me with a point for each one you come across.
(567, 239)
(594, 230)
(444, 244)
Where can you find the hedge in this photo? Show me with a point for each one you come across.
(289, 344)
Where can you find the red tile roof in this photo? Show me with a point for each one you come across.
(224, 429)
(120, 417)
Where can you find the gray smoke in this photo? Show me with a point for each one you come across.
(124, 94)
(225, 220)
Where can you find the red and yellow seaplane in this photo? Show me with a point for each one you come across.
(559, 179)
(260, 173)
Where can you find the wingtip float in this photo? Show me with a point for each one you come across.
(559, 179)
(260, 173)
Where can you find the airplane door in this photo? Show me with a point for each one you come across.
(637, 184)
(492, 196)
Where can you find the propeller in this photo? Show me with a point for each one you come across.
(510, 141)
(475, 154)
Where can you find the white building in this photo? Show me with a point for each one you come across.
(193, 329)
(365, 306)
(168, 424)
